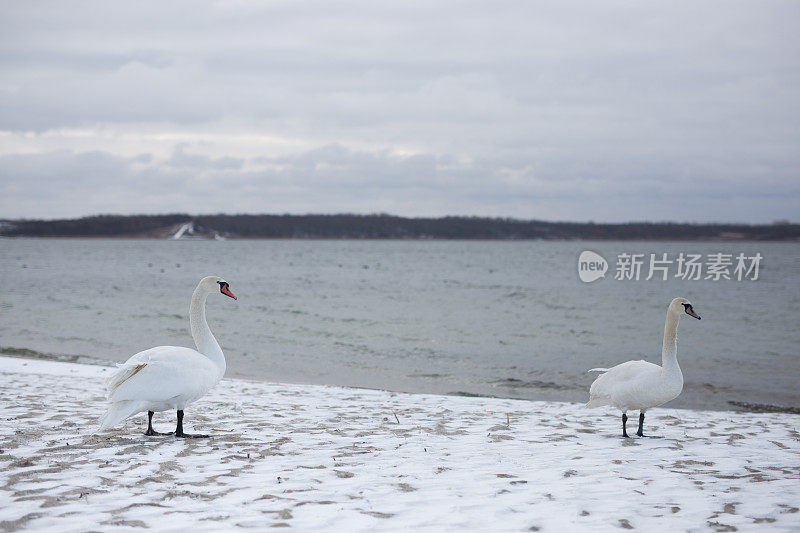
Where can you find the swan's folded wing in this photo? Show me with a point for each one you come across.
(630, 370)
(125, 372)
(162, 373)
(621, 376)
(130, 367)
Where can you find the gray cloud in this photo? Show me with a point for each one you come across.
(183, 160)
(336, 179)
(570, 110)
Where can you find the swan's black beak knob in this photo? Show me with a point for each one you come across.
(225, 289)
(690, 311)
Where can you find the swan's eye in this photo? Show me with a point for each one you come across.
(687, 307)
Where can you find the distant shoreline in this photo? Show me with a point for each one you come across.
(385, 227)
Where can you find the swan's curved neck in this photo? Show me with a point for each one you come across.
(201, 333)
(669, 349)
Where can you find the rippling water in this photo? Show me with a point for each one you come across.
(500, 318)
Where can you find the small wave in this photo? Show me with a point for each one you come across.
(514, 383)
(61, 338)
(159, 315)
(65, 358)
(470, 394)
(764, 407)
(515, 295)
(558, 307)
(352, 320)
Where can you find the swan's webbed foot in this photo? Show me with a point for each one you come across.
(150, 431)
(190, 435)
(179, 430)
(624, 421)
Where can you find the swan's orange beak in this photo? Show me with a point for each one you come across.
(690, 312)
(227, 291)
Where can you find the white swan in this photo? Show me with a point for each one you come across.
(642, 385)
(170, 377)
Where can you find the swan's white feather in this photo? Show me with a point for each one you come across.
(631, 385)
(165, 377)
(125, 372)
(119, 411)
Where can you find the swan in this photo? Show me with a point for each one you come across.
(170, 377)
(640, 385)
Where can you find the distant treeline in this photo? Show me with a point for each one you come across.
(386, 227)
(99, 226)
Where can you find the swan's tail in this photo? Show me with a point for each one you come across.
(119, 411)
(596, 401)
(595, 398)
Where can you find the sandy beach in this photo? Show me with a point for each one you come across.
(327, 458)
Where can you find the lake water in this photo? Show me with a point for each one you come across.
(509, 319)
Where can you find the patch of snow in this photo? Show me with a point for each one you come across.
(188, 227)
(330, 458)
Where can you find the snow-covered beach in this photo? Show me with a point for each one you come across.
(315, 457)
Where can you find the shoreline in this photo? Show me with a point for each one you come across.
(736, 406)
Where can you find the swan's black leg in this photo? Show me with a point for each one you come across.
(150, 431)
(624, 421)
(179, 430)
(640, 433)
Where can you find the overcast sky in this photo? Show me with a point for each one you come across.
(604, 111)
